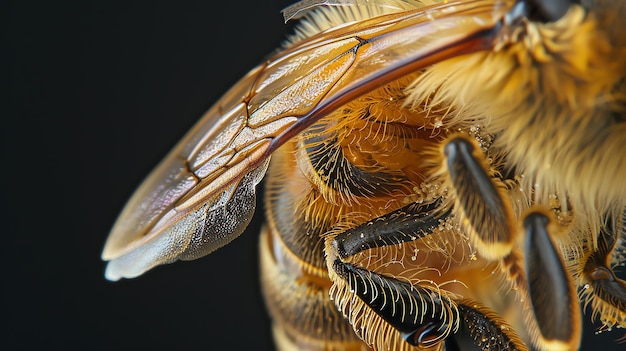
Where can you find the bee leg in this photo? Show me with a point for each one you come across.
(482, 329)
(402, 312)
(481, 202)
(485, 212)
(383, 309)
(600, 284)
(387, 312)
(552, 295)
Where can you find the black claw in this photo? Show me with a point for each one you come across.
(426, 335)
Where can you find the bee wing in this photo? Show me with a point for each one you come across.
(202, 194)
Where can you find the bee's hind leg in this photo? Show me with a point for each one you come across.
(390, 313)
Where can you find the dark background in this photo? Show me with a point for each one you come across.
(98, 92)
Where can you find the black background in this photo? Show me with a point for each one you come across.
(98, 93)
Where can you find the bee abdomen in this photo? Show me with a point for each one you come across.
(304, 316)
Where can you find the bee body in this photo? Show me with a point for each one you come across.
(441, 177)
(301, 178)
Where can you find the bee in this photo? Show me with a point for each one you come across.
(440, 175)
